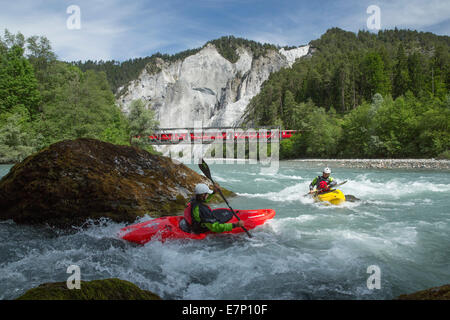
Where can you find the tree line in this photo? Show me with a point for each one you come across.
(359, 95)
(362, 95)
(43, 100)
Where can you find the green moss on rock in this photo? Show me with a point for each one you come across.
(227, 194)
(71, 181)
(436, 293)
(107, 289)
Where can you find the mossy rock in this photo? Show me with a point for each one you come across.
(226, 193)
(71, 181)
(436, 293)
(107, 289)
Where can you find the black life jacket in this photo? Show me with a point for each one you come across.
(192, 225)
(321, 178)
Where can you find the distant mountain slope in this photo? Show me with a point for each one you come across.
(120, 73)
(347, 69)
(213, 85)
(365, 95)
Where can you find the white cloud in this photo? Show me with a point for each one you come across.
(100, 29)
(299, 25)
(411, 14)
(109, 29)
(116, 29)
(417, 14)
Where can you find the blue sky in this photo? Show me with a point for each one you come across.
(113, 29)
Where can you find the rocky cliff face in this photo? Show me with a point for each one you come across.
(205, 86)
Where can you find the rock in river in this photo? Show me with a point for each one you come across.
(436, 293)
(106, 289)
(74, 180)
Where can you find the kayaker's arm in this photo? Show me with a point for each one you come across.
(223, 227)
(332, 182)
(313, 184)
(219, 227)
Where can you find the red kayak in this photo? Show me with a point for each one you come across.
(168, 227)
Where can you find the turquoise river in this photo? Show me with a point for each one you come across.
(308, 251)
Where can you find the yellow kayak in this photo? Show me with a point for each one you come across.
(334, 197)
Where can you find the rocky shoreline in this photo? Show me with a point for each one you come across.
(428, 164)
(117, 289)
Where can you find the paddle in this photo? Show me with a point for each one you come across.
(339, 184)
(205, 169)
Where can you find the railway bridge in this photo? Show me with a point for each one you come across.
(207, 135)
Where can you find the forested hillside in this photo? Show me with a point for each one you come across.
(43, 100)
(120, 73)
(359, 95)
(362, 95)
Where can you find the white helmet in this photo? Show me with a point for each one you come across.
(327, 170)
(202, 188)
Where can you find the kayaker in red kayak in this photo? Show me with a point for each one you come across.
(325, 177)
(198, 217)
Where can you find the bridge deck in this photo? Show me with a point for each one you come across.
(209, 135)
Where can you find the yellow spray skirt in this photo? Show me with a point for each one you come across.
(334, 197)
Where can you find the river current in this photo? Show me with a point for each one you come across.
(309, 250)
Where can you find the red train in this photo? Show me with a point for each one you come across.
(220, 135)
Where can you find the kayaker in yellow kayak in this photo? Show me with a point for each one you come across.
(322, 189)
(326, 176)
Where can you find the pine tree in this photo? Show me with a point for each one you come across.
(289, 107)
(401, 73)
(416, 73)
(375, 78)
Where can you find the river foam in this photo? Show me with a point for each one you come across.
(308, 251)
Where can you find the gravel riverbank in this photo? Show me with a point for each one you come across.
(383, 163)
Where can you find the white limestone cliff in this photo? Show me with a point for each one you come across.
(206, 87)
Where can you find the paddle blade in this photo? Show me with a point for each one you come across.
(205, 169)
(340, 184)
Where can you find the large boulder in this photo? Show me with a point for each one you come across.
(71, 181)
(107, 289)
(436, 293)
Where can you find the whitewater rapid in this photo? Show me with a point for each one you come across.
(308, 251)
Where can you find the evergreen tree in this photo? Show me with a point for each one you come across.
(375, 79)
(289, 107)
(416, 73)
(401, 73)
